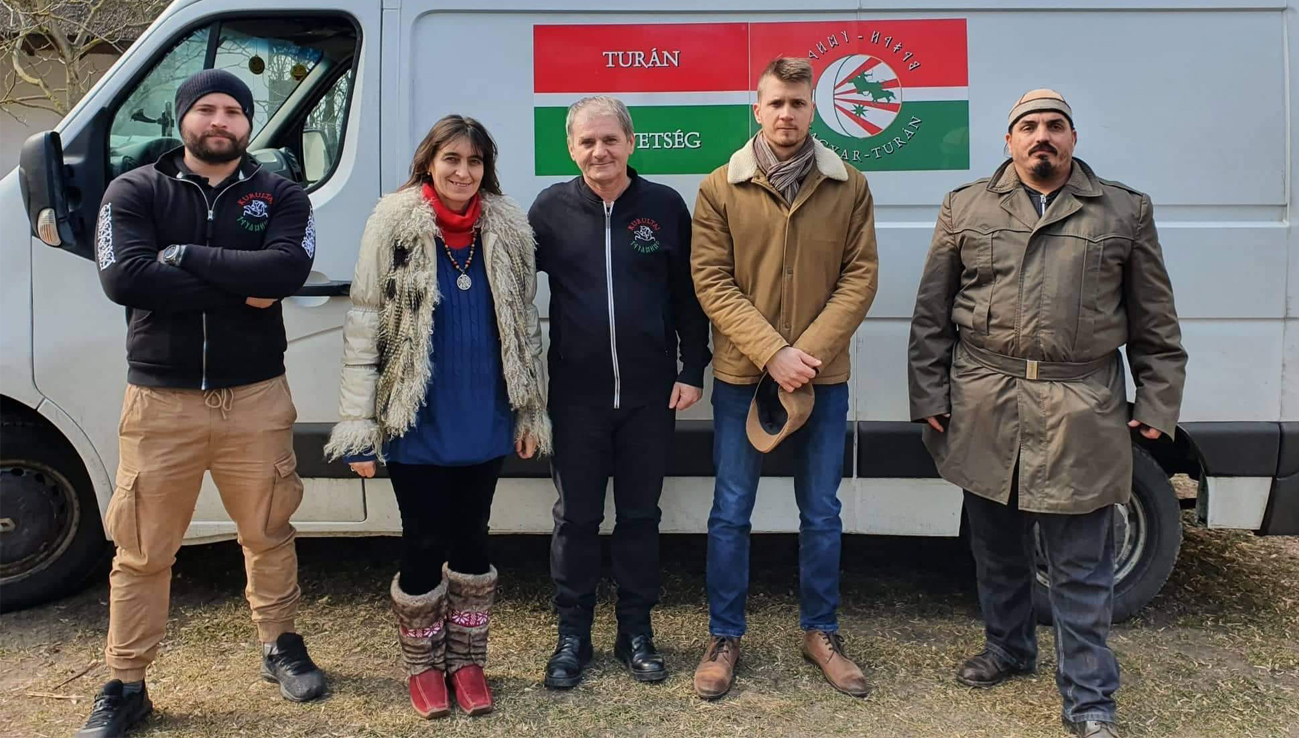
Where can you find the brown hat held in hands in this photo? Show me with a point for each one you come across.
(774, 413)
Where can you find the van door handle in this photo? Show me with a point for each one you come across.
(324, 289)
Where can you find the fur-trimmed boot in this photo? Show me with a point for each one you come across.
(469, 608)
(421, 629)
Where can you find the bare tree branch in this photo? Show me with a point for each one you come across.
(49, 47)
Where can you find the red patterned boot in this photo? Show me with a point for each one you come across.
(469, 607)
(421, 630)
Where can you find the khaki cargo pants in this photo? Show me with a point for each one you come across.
(168, 439)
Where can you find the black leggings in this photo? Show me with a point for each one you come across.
(444, 512)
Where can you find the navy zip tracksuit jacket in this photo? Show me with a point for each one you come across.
(621, 302)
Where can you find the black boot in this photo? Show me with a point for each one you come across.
(642, 659)
(288, 665)
(572, 654)
(115, 711)
(986, 670)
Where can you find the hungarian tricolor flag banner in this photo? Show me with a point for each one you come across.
(890, 95)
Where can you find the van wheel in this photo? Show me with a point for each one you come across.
(51, 539)
(1147, 537)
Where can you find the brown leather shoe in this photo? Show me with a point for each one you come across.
(716, 672)
(1093, 729)
(826, 651)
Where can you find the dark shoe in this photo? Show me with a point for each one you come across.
(825, 649)
(986, 670)
(1093, 729)
(115, 712)
(289, 666)
(716, 671)
(572, 654)
(641, 658)
(472, 693)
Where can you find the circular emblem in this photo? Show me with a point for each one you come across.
(256, 209)
(858, 96)
(644, 235)
(256, 65)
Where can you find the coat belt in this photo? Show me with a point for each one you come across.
(1046, 371)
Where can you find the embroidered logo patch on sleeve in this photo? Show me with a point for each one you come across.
(104, 237)
(309, 237)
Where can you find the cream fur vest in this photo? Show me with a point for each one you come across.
(386, 337)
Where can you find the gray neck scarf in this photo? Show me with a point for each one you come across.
(786, 176)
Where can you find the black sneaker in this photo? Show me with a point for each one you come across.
(115, 711)
(289, 666)
(572, 654)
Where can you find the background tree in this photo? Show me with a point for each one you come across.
(53, 51)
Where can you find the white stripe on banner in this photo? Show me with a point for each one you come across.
(634, 99)
(934, 94)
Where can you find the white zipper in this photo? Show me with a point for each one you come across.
(608, 278)
(211, 214)
(203, 385)
(1043, 202)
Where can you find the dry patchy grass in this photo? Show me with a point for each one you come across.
(1215, 655)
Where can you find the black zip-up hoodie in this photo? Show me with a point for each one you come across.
(252, 235)
(620, 293)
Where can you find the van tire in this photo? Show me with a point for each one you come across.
(51, 538)
(1152, 520)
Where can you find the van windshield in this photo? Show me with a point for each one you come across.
(277, 58)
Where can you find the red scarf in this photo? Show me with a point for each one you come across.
(457, 230)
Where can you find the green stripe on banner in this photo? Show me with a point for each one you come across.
(670, 139)
(924, 136)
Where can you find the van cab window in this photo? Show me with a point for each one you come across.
(299, 70)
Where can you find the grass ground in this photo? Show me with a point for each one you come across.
(1215, 655)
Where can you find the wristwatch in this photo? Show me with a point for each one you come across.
(172, 254)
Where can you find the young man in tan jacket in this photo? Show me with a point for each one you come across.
(1036, 276)
(785, 266)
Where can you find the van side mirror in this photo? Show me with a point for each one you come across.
(41, 177)
(315, 157)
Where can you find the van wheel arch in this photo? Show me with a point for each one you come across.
(1148, 538)
(53, 539)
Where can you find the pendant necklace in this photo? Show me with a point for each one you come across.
(463, 281)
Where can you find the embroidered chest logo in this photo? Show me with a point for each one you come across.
(255, 211)
(644, 235)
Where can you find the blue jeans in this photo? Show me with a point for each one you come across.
(819, 448)
(1080, 560)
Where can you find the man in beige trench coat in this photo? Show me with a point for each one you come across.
(1035, 278)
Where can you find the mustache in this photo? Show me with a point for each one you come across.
(220, 134)
(1043, 147)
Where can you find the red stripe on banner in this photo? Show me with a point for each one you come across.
(923, 53)
(870, 127)
(693, 57)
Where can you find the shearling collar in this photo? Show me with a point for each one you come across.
(744, 164)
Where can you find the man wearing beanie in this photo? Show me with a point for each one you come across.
(1036, 277)
(200, 247)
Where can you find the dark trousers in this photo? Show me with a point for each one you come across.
(1079, 552)
(591, 445)
(444, 512)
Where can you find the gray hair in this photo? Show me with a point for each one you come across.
(599, 105)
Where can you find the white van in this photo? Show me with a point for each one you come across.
(1191, 101)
